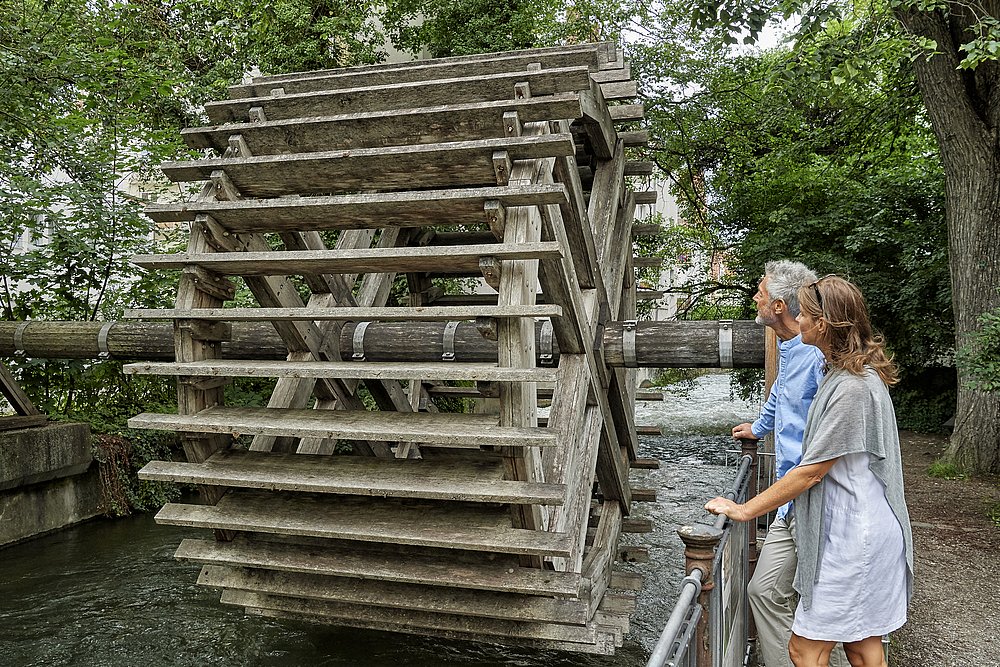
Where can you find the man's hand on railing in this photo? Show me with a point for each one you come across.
(734, 511)
(743, 432)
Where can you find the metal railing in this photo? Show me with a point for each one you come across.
(710, 624)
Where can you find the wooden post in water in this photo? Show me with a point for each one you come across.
(700, 542)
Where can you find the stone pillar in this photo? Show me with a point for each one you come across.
(48, 480)
(700, 542)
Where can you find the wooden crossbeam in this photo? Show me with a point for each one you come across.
(552, 636)
(469, 163)
(14, 394)
(384, 314)
(389, 595)
(440, 525)
(478, 479)
(418, 71)
(443, 429)
(440, 259)
(424, 125)
(463, 206)
(345, 369)
(461, 89)
(373, 562)
(590, 53)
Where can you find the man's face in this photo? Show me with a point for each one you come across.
(765, 314)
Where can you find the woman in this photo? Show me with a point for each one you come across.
(855, 551)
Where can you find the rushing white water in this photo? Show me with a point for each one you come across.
(108, 593)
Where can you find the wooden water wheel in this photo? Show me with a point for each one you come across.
(485, 525)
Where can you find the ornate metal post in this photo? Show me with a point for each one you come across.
(700, 542)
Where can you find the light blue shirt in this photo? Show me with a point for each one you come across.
(800, 370)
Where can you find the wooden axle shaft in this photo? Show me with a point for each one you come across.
(686, 344)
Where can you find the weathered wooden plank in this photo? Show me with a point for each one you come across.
(190, 347)
(619, 90)
(14, 394)
(646, 230)
(437, 165)
(633, 138)
(380, 594)
(609, 75)
(646, 197)
(516, 338)
(359, 211)
(426, 125)
(386, 563)
(459, 89)
(442, 259)
(598, 122)
(604, 642)
(382, 617)
(627, 581)
(639, 168)
(8, 423)
(384, 314)
(444, 429)
(605, 198)
(571, 463)
(593, 54)
(625, 113)
(421, 523)
(402, 370)
(423, 70)
(575, 217)
(597, 566)
(478, 479)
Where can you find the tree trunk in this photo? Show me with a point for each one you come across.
(964, 109)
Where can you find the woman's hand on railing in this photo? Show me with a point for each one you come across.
(734, 511)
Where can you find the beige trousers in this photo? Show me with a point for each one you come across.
(773, 600)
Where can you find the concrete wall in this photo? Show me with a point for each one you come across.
(48, 480)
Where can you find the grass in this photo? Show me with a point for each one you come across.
(993, 512)
(945, 470)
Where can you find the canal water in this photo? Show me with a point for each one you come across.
(109, 593)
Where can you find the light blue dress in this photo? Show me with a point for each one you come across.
(861, 584)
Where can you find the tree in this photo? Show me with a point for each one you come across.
(954, 49)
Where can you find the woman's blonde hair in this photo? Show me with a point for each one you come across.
(852, 343)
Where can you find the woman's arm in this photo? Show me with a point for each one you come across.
(794, 483)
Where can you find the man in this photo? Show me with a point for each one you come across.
(800, 369)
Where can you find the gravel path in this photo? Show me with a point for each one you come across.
(954, 618)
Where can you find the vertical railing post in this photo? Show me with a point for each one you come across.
(748, 447)
(700, 542)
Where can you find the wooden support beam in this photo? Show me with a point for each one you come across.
(406, 95)
(15, 395)
(389, 168)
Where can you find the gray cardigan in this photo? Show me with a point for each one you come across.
(850, 414)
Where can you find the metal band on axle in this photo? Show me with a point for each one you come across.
(628, 344)
(545, 356)
(448, 341)
(725, 343)
(359, 341)
(102, 340)
(19, 338)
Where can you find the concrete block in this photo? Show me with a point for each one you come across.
(34, 455)
(40, 508)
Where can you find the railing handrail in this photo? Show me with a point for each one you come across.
(691, 585)
(690, 589)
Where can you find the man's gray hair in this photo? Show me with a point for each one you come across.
(784, 278)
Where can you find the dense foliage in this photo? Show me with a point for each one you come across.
(775, 155)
